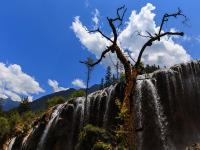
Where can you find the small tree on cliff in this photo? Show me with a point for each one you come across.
(131, 70)
(24, 105)
(88, 63)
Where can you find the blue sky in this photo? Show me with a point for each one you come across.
(36, 34)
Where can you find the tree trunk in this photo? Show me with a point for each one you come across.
(129, 127)
(127, 109)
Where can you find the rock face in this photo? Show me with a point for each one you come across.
(167, 104)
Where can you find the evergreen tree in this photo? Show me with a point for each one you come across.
(24, 105)
(102, 84)
(108, 77)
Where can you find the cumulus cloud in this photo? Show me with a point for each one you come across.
(95, 17)
(92, 41)
(79, 83)
(55, 86)
(165, 52)
(14, 83)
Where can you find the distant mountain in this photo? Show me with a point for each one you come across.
(41, 103)
(94, 88)
(8, 104)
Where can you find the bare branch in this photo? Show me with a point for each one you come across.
(102, 56)
(99, 31)
(167, 16)
(149, 34)
(150, 42)
(112, 60)
(146, 36)
(110, 21)
(129, 55)
(119, 18)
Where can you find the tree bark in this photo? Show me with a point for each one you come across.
(131, 74)
(129, 126)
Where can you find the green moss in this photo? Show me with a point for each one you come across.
(99, 145)
(4, 127)
(90, 135)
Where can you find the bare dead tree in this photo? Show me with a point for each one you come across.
(88, 64)
(132, 69)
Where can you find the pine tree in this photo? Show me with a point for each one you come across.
(102, 84)
(24, 105)
(108, 77)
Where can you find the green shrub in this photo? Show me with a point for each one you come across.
(90, 135)
(14, 119)
(4, 127)
(55, 100)
(78, 93)
(102, 146)
(28, 116)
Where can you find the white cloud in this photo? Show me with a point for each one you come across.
(165, 52)
(14, 83)
(95, 17)
(55, 86)
(30, 98)
(79, 83)
(92, 41)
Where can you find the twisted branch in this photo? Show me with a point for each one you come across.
(99, 31)
(102, 56)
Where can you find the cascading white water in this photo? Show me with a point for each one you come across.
(78, 110)
(12, 141)
(159, 112)
(48, 126)
(80, 106)
(111, 91)
(167, 111)
(138, 108)
(90, 96)
(26, 138)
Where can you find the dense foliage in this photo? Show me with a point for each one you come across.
(95, 138)
(55, 100)
(78, 93)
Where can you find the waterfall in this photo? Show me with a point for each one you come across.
(110, 91)
(12, 141)
(78, 112)
(26, 138)
(162, 123)
(138, 108)
(167, 105)
(48, 126)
